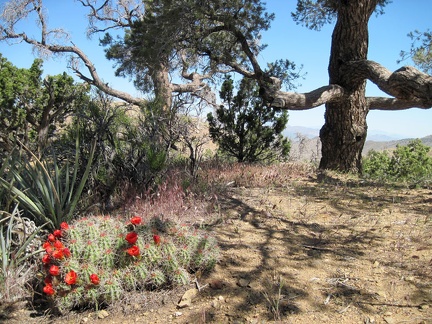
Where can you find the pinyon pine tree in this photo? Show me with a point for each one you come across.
(245, 127)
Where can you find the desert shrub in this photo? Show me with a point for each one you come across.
(410, 163)
(129, 150)
(245, 127)
(377, 165)
(99, 259)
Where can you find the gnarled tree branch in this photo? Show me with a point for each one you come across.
(304, 101)
(407, 83)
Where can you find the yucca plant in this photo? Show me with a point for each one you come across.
(46, 191)
(17, 248)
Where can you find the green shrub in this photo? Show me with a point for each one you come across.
(410, 163)
(377, 165)
(97, 260)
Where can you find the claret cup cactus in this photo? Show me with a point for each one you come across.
(96, 260)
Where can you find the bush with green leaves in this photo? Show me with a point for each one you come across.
(245, 127)
(97, 260)
(33, 108)
(411, 163)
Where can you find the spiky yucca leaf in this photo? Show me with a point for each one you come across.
(45, 190)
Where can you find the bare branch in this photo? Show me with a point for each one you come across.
(393, 104)
(113, 15)
(309, 100)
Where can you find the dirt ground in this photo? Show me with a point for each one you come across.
(304, 252)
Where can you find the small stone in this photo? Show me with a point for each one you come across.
(85, 320)
(424, 307)
(243, 282)
(177, 314)
(221, 298)
(216, 284)
(215, 304)
(102, 314)
(188, 296)
(389, 320)
(376, 264)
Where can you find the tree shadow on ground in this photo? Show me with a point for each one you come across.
(260, 242)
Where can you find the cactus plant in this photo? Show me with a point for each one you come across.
(96, 260)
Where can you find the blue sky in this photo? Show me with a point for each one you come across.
(285, 39)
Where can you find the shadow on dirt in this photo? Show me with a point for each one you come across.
(265, 248)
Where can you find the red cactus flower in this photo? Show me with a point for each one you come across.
(58, 244)
(54, 270)
(58, 254)
(156, 239)
(94, 279)
(57, 233)
(46, 259)
(136, 220)
(131, 237)
(71, 277)
(64, 226)
(133, 251)
(51, 238)
(66, 252)
(49, 290)
(49, 249)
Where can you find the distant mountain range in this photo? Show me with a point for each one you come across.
(373, 135)
(306, 145)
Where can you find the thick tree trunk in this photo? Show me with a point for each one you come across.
(162, 87)
(344, 132)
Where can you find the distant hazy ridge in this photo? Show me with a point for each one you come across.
(306, 145)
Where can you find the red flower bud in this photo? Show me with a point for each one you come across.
(51, 238)
(46, 259)
(156, 239)
(58, 244)
(131, 237)
(64, 226)
(54, 270)
(136, 220)
(58, 254)
(49, 290)
(94, 279)
(66, 252)
(133, 251)
(57, 233)
(49, 249)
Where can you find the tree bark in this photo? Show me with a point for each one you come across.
(344, 132)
